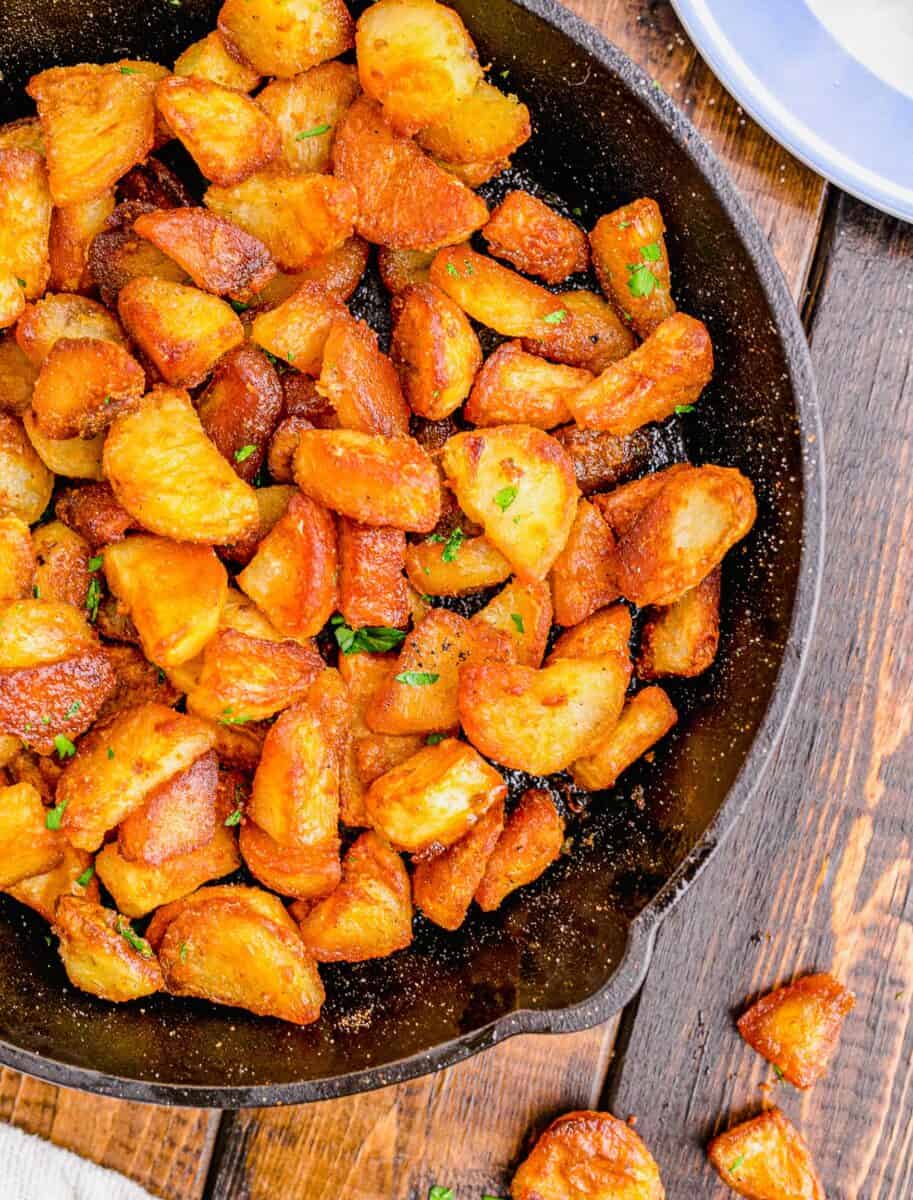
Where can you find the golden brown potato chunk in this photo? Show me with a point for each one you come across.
(683, 533)
(98, 121)
(117, 767)
(304, 872)
(531, 841)
(17, 377)
(272, 503)
(683, 638)
(83, 385)
(602, 460)
(176, 818)
(536, 239)
(621, 507)
(62, 570)
(25, 482)
(590, 335)
(518, 483)
(39, 631)
(372, 590)
(213, 58)
(255, 900)
(405, 201)
(436, 351)
(516, 388)
(93, 512)
(27, 846)
(443, 886)
(588, 1156)
(101, 952)
(118, 254)
(73, 876)
(646, 718)
(797, 1027)
(668, 372)
(605, 632)
(400, 269)
(76, 458)
(24, 134)
(54, 317)
(477, 135)
(247, 678)
(241, 407)
(338, 272)
(524, 611)
(766, 1158)
(298, 217)
(454, 566)
(283, 37)
(307, 109)
(12, 299)
(72, 231)
(17, 559)
(136, 681)
(297, 330)
(629, 254)
(25, 222)
(360, 382)
(583, 575)
(370, 478)
(170, 477)
(369, 915)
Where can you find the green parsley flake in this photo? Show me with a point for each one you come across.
(36, 592)
(64, 746)
(139, 944)
(651, 252)
(315, 132)
(641, 280)
(234, 818)
(21, 282)
(55, 815)
(244, 453)
(84, 879)
(110, 752)
(239, 306)
(469, 267)
(227, 719)
(440, 1193)
(93, 598)
(372, 639)
(94, 563)
(451, 270)
(417, 678)
(578, 212)
(556, 317)
(452, 545)
(778, 1072)
(129, 71)
(505, 498)
(434, 739)
(45, 720)
(505, 72)
(72, 710)
(734, 1166)
(624, 225)
(518, 621)
(161, 675)
(182, 952)
(680, 409)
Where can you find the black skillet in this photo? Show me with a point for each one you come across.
(569, 951)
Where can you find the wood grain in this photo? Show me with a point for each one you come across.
(818, 874)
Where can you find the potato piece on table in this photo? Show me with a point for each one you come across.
(17, 377)
(213, 58)
(621, 507)
(632, 264)
(57, 316)
(646, 718)
(479, 132)
(667, 372)
(400, 269)
(583, 574)
(75, 458)
(27, 846)
(177, 817)
(370, 478)
(98, 121)
(93, 512)
(283, 37)
(74, 875)
(436, 351)
(307, 109)
(372, 589)
(83, 385)
(443, 886)
(120, 764)
(588, 1156)
(169, 476)
(541, 721)
(590, 335)
(766, 1158)
(683, 638)
(535, 239)
(683, 533)
(62, 570)
(101, 952)
(25, 223)
(602, 460)
(797, 1027)
(71, 234)
(369, 915)
(530, 842)
(17, 560)
(26, 484)
(455, 566)
(360, 382)
(524, 611)
(516, 388)
(241, 408)
(298, 329)
(605, 632)
(303, 872)
(518, 483)
(136, 681)
(405, 201)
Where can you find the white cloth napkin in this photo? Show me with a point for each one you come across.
(33, 1169)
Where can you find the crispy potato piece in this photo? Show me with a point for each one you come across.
(25, 482)
(360, 382)
(797, 1027)
(338, 272)
(283, 37)
(136, 681)
(605, 632)
(646, 718)
(36, 631)
(118, 254)
(443, 886)
(590, 335)
(173, 591)
(434, 798)
(602, 460)
(479, 132)
(420, 696)
(524, 611)
(98, 121)
(496, 296)
(17, 377)
(588, 1156)
(151, 184)
(213, 58)
(41, 772)
(54, 317)
(9, 748)
(254, 900)
(535, 239)
(170, 477)
(531, 841)
(119, 765)
(102, 954)
(83, 385)
(24, 134)
(400, 269)
(306, 111)
(25, 221)
(766, 1158)
(50, 703)
(369, 915)
(632, 265)
(93, 512)
(27, 846)
(306, 873)
(516, 388)
(272, 503)
(670, 369)
(518, 483)
(41, 892)
(405, 201)
(71, 234)
(217, 255)
(298, 329)
(372, 590)
(436, 351)
(298, 217)
(177, 817)
(17, 560)
(541, 721)
(241, 407)
(230, 952)
(417, 59)
(183, 331)
(476, 565)
(239, 746)
(12, 298)
(622, 507)
(583, 575)
(683, 638)
(62, 564)
(77, 458)
(370, 478)
(684, 533)
(250, 678)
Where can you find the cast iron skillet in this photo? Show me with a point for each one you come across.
(568, 952)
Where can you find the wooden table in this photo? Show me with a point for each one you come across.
(819, 874)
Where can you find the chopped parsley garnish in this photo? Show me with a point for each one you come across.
(505, 72)
(182, 952)
(578, 212)
(778, 1072)
(624, 225)
(55, 815)
(129, 71)
(244, 453)
(234, 818)
(239, 306)
(417, 678)
(651, 252)
(734, 1166)
(160, 675)
(227, 718)
(21, 282)
(372, 639)
(440, 1193)
(505, 497)
(94, 563)
(451, 270)
(139, 944)
(93, 598)
(641, 280)
(36, 592)
(468, 265)
(72, 710)
(45, 720)
(84, 879)
(290, 356)
(556, 317)
(452, 545)
(434, 739)
(518, 621)
(110, 753)
(315, 132)
(683, 408)
(64, 746)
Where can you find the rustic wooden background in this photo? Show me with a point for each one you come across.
(817, 875)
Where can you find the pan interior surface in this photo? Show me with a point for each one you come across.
(559, 943)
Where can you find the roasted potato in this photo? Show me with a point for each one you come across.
(632, 264)
(24, 134)
(602, 460)
(443, 886)
(646, 718)
(17, 377)
(250, 678)
(169, 476)
(369, 915)
(797, 1027)
(254, 900)
(306, 111)
(476, 136)
(101, 952)
(55, 317)
(588, 1156)
(272, 503)
(455, 566)
(12, 299)
(360, 382)
(25, 482)
(27, 846)
(405, 201)
(621, 507)
(241, 408)
(118, 255)
(530, 842)
(136, 681)
(150, 184)
(516, 388)
(535, 239)
(298, 329)
(400, 269)
(766, 1158)
(524, 611)
(583, 575)
(213, 58)
(38, 631)
(62, 566)
(76, 458)
(17, 560)
(338, 272)
(93, 512)
(74, 875)
(683, 638)
(25, 222)
(83, 385)
(303, 872)
(605, 632)
(372, 590)
(590, 336)
(71, 234)
(176, 818)
(436, 351)
(284, 37)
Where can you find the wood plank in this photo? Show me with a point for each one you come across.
(818, 874)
